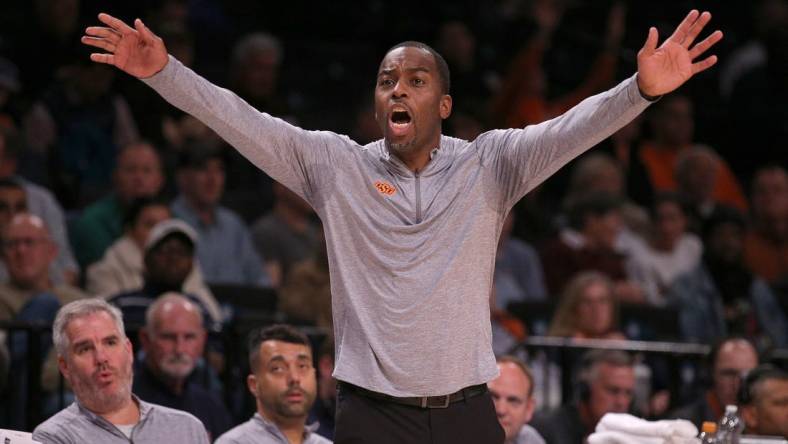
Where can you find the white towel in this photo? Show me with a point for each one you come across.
(631, 425)
(619, 428)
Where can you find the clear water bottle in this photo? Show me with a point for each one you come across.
(730, 426)
(708, 433)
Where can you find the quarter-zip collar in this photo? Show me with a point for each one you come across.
(440, 159)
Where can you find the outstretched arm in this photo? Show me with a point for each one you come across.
(137, 50)
(665, 68)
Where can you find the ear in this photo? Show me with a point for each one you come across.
(445, 106)
(529, 409)
(62, 365)
(749, 417)
(251, 384)
(129, 349)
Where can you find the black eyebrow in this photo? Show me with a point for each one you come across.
(388, 71)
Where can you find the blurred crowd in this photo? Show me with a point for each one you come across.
(107, 191)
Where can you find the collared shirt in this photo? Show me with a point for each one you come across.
(259, 431)
(225, 248)
(75, 425)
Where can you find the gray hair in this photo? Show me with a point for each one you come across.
(255, 43)
(169, 297)
(79, 309)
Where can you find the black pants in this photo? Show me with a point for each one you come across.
(364, 420)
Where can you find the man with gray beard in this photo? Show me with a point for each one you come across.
(95, 357)
(173, 340)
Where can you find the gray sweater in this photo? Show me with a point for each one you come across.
(75, 425)
(411, 255)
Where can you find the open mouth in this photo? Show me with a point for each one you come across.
(399, 122)
(400, 117)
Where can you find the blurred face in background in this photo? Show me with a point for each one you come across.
(203, 185)
(28, 251)
(670, 223)
(594, 311)
(511, 394)
(770, 195)
(734, 359)
(175, 341)
(611, 390)
(138, 173)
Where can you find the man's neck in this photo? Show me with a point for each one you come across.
(126, 414)
(292, 428)
(415, 160)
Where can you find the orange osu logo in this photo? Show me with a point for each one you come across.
(385, 188)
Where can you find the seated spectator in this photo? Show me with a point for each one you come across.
(673, 130)
(283, 383)
(606, 383)
(168, 260)
(306, 294)
(766, 243)
(721, 297)
(589, 244)
(508, 331)
(121, 268)
(42, 203)
(669, 251)
(286, 235)
(137, 174)
(729, 360)
(173, 340)
(588, 309)
(29, 294)
(324, 410)
(518, 271)
(597, 173)
(95, 357)
(226, 251)
(765, 402)
(512, 393)
(697, 172)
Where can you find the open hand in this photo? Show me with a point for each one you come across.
(662, 70)
(136, 51)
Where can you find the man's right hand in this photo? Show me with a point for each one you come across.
(136, 51)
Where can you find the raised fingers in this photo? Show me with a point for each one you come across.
(115, 24)
(99, 43)
(695, 29)
(102, 32)
(109, 59)
(705, 44)
(704, 64)
(684, 27)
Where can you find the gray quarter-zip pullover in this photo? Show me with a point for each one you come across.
(411, 255)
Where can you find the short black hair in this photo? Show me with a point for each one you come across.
(440, 62)
(134, 209)
(723, 215)
(594, 204)
(197, 155)
(749, 392)
(276, 332)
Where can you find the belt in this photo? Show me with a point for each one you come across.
(425, 402)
